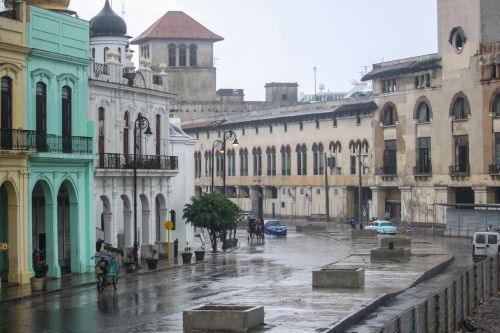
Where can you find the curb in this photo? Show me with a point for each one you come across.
(88, 284)
(350, 320)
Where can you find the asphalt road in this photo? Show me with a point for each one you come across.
(276, 274)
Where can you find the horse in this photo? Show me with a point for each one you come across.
(256, 228)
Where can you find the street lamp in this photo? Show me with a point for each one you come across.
(221, 145)
(140, 124)
(360, 164)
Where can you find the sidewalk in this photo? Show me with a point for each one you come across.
(14, 293)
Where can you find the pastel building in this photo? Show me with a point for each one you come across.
(15, 146)
(61, 167)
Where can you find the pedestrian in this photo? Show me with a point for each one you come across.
(387, 216)
(353, 222)
(489, 228)
(361, 226)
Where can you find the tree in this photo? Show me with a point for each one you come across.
(212, 211)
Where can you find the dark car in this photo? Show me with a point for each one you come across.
(274, 227)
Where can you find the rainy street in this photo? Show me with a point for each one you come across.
(277, 274)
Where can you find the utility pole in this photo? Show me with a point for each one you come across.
(315, 94)
(359, 184)
(327, 194)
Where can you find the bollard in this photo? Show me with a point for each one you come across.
(391, 245)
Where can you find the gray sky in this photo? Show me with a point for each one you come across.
(281, 41)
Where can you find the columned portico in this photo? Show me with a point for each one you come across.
(378, 202)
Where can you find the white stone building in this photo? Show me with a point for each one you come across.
(119, 95)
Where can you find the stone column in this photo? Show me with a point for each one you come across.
(441, 198)
(146, 227)
(163, 218)
(378, 202)
(108, 228)
(406, 204)
(128, 228)
(52, 253)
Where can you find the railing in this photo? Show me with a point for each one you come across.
(158, 80)
(150, 162)
(494, 169)
(101, 68)
(459, 170)
(389, 170)
(14, 139)
(422, 170)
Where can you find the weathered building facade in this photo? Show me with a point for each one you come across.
(415, 134)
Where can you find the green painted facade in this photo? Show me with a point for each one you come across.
(61, 171)
(4, 231)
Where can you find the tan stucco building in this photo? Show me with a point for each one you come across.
(429, 135)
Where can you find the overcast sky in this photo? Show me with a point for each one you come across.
(281, 41)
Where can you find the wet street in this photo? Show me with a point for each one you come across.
(276, 275)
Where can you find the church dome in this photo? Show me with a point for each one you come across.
(107, 23)
(47, 4)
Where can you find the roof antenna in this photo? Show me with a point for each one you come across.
(123, 9)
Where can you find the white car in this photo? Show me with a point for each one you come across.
(485, 244)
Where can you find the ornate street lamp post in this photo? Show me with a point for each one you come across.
(221, 145)
(141, 123)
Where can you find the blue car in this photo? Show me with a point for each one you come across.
(383, 227)
(274, 227)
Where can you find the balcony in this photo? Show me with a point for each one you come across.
(422, 171)
(144, 162)
(494, 170)
(459, 171)
(388, 173)
(19, 140)
(101, 69)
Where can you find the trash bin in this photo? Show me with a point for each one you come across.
(176, 248)
(391, 245)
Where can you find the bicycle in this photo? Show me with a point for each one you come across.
(106, 270)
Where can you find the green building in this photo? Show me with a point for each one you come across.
(61, 170)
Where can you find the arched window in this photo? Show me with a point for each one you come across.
(193, 58)
(423, 113)
(171, 55)
(389, 116)
(231, 162)
(106, 49)
(288, 160)
(271, 161)
(120, 55)
(364, 156)
(321, 151)
(301, 160)
(496, 106)
(243, 162)
(6, 113)
(100, 133)
(268, 154)
(158, 135)
(255, 161)
(182, 55)
(460, 107)
(125, 135)
(41, 116)
(6, 103)
(283, 160)
(315, 159)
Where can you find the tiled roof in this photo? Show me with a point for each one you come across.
(402, 67)
(177, 25)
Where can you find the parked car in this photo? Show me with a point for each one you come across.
(383, 227)
(274, 227)
(485, 244)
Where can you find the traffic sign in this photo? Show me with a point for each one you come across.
(169, 225)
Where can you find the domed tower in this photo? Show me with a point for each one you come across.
(108, 31)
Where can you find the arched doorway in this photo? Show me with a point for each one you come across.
(146, 213)
(41, 214)
(106, 220)
(67, 228)
(4, 232)
(160, 217)
(11, 262)
(127, 220)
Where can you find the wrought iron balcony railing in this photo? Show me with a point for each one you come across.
(422, 170)
(459, 170)
(14, 139)
(100, 68)
(150, 162)
(494, 169)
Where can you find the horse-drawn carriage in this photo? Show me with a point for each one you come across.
(256, 230)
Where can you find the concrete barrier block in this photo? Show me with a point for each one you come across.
(311, 228)
(384, 255)
(398, 242)
(356, 233)
(339, 278)
(231, 318)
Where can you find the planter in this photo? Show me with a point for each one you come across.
(38, 284)
(152, 263)
(200, 255)
(186, 258)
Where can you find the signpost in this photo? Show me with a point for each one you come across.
(169, 225)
